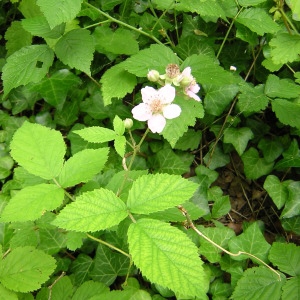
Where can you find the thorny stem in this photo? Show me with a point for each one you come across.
(191, 225)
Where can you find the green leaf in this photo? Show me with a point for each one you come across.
(92, 211)
(39, 26)
(54, 89)
(292, 205)
(251, 241)
(62, 289)
(30, 197)
(281, 88)
(175, 128)
(157, 57)
(39, 150)
(258, 283)
(16, 37)
(76, 49)
(286, 258)
(89, 289)
(7, 294)
(291, 289)
(112, 86)
(257, 20)
(119, 126)
(96, 134)
(287, 112)
(255, 166)
(67, 10)
(82, 166)
(295, 7)
(217, 158)
(220, 235)
(152, 193)
(108, 265)
(271, 148)
(291, 224)
(24, 269)
(120, 41)
(246, 3)
(29, 64)
(285, 48)
(217, 98)
(157, 250)
(291, 157)
(221, 204)
(81, 268)
(238, 137)
(120, 144)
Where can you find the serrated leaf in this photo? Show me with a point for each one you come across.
(89, 289)
(277, 190)
(67, 10)
(39, 150)
(257, 20)
(152, 193)
(92, 211)
(255, 166)
(157, 57)
(157, 248)
(119, 126)
(120, 41)
(16, 37)
(120, 144)
(258, 283)
(108, 265)
(292, 205)
(96, 134)
(295, 7)
(82, 166)
(54, 89)
(238, 137)
(291, 289)
(76, 49)
(251, 241)
(287, 112)
(246, 3)
(175, 128)
(113, 87)
(285, 48)
(7, 294)
(29, 64)
(17, 210)
(286, 258)
(24, 269)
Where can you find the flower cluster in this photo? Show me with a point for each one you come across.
(157, 105)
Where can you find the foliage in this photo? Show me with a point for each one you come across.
(203, 183)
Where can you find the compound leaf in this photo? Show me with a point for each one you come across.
(157, 250)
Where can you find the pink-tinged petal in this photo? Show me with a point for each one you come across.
(186, 72)
(195, 88)
(157, 123)
(148, 94)
(141, 112)
(193, 95)
(172, 111)
(166, 94)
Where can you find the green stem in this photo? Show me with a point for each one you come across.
(66, 193)
(286, 18)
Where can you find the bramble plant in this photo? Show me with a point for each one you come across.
(150, 149)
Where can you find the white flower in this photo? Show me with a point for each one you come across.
(156, 107)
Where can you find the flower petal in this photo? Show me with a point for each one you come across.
(186, 72)
(141, 112)
(193, 95)
(157, 123)
(148, 94)
(166, 94)
(171, 111)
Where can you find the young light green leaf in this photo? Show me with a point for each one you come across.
(82, 166)
(39, 150)
(166, 256)
(286, 258)
(119, 126)
(76, 49)
(29, 64)
(238, 137)
(116, 82)
(257, 20)
(251, 241)
(26, 205)
(96, 134)
(255, 166)
(287, 112)
(120, 144)
(89, 289)
(120, 41)
(292, 205)
(92, 211)
(285, 48)
(152, 193)
(25, 269)
(247, 3)
(7, 294)
(259, 283)
(277, 190)
(16, 38)
(67, 10)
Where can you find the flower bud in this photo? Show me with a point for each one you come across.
(153, 75)
(128, 123)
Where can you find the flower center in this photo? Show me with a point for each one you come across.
(156, 106)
